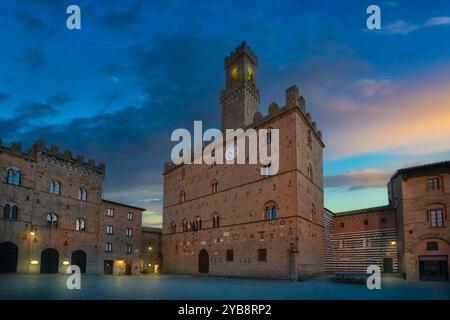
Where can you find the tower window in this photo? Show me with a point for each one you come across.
(110, 212)
(109, 229)
(182, 196)
(14, 177)
(235, 73)
(82, 194)
(198, 224)
(271, 211)
(366, 222)
(214, 186)
(215, 221)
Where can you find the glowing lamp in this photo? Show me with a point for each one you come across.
(34, 262)
(66, 263)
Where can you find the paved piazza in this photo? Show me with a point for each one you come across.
(24, 286)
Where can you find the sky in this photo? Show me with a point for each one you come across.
(116, 89)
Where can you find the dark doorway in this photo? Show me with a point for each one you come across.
(128, 269)
(388, 265)
(108, 266)
(8, 257)
(433, 268)
(79, 259)
(203, 261)
(49, 261)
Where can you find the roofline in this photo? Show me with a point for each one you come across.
(365, 210)
(123, 204)
(420, 167)
(151, 229)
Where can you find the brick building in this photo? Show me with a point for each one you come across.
(151, 250)
(209, 224)
(53, 215)
(410, 235)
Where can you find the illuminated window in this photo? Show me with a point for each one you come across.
(249, 73)
(234, 73)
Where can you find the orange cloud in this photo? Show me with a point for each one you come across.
(415, 122)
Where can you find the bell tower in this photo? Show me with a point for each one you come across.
(240, 98)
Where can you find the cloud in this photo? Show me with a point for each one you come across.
(32, 58)
(358, 179)
(109, 99)
(437, 21)
(34, 110)
(123, 19)
(371, 87)
(59, 98)
(33, 25)
(3, 96)
(413, 121)
(400, 27)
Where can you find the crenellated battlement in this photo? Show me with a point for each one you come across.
(293, 100)
(53, 155)
(242, 49)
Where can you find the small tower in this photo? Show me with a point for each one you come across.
(240, 99)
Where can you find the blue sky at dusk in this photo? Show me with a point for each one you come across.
(116, 89)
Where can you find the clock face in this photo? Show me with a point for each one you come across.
(231, 153)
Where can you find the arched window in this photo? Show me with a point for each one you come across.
(309, 139)
(52, 220)
(313, 213)
(14, 178)
(310, 172)
(82, 194)
(198, 224)
(10, 176)
(18, 178)
(271, 210)
(214, 186)
(54, 186)
(185, 225)
(10, 211)
(80, 224)
(215, 221)
(182, 196)
(173, 227)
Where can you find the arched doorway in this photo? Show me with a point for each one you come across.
(49, 261)
(79, 259)
(203, 261)
(8, 257)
